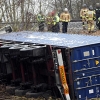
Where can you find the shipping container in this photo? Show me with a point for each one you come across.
(81, 57)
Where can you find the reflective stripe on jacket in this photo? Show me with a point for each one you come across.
(40, 18)
(55, 19)
(65, 17)
(83, 12)
(90, 15)
(49, 20)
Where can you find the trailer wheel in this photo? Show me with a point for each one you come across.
(40, 87)
(19, 92)
(30, 94)
(11, 89)
(45, 95)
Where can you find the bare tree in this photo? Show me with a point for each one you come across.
(23, 12)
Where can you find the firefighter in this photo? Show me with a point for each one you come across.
(83, 16)
(97, 11)
(90, 19)
(49, 20)
(65, 18)
(41, 20)
(55, 22)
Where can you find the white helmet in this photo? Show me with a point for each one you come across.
(66, 9)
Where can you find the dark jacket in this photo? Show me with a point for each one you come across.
(97, 11)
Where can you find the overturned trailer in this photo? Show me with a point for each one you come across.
(63, 66)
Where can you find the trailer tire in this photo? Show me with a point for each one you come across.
(19, 92)
(30, 94)
(46, 94)
(40, 87)
(11, 90)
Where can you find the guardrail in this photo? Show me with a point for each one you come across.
(76, 20)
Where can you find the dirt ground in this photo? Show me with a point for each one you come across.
(84, 32)
(5, 96)
(95, 33)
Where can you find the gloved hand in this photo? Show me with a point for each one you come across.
(80, 17)
(94, 19)
(99, 19)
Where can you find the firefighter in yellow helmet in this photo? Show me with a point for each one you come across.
(49, 20)
(83, 16)
(65, 18)
(90, 19)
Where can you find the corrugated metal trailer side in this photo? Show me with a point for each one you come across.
(85, 63)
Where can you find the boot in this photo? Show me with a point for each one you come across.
(89, 31)
(84, 28)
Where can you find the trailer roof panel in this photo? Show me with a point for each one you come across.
(49, 38)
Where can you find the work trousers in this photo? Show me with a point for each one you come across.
(41, 26)
(84, 23)
(64, 27)
(90, 25)
(49, 26)
(98, 24)
(56, 27)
